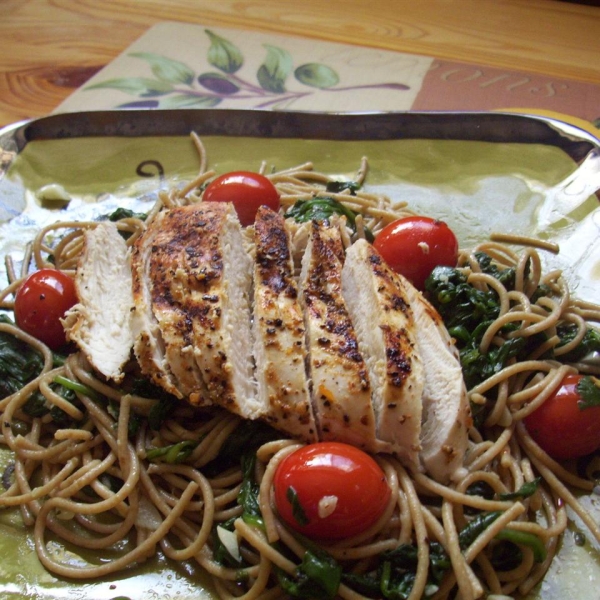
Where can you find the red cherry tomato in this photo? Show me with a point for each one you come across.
(41, 302)
(561, 427)
(339, 490)
(246, 190)
(413, 246)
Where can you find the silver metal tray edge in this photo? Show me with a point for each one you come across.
(501, 127)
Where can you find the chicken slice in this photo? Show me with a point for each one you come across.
(208, 276)
(192, 282)
(340, 385)
(149, 345)
(170, 298)
(279, 334)
(100, 323)
(446, 411)
(384, 324)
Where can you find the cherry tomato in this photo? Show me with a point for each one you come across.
(246, 190)
(41, 301)
(413, 246)
(330, 490)
(561, 427)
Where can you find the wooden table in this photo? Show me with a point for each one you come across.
(50, 47)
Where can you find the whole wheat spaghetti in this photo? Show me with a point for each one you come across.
(99, 476)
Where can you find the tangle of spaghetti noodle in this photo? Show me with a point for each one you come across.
(91, 485)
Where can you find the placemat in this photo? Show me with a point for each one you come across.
(178, 65)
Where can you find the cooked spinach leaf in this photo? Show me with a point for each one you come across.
(37, 405)
(467, 313)
(525, 491)
(395, 573)
(165, 403)
(240, 449)
(462, 306)
(481, 488)
(249, 490)
(505, 276)
(337, 187)
(589, 344)
(19, 362)
(172, 454)
(126, 213)
(482, 521)
(589, 390)
(317, 577)
(322, 209)
(161, 411)
(396, 588)
(475, 527)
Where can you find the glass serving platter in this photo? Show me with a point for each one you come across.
(480, 172)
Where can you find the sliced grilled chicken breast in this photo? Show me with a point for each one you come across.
(100, 323)
(446, 411)
(149, 345)
(383, 320)
(340, 385)
(279, 334)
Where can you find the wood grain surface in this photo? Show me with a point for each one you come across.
(50, 47)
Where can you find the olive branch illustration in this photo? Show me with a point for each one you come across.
(177, 85)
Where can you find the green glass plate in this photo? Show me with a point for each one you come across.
(480, 172)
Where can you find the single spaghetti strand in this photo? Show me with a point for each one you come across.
(507, 238)
(470, 587)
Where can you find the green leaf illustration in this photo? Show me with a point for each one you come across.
(274, 71)
(136, 86)
(167, 69)
(316, 75)
(223, 55)
(189, 101)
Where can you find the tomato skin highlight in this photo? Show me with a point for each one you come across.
(414, 246)
(342, 481)
(41, 301)
(561, 428)
(246, 190)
